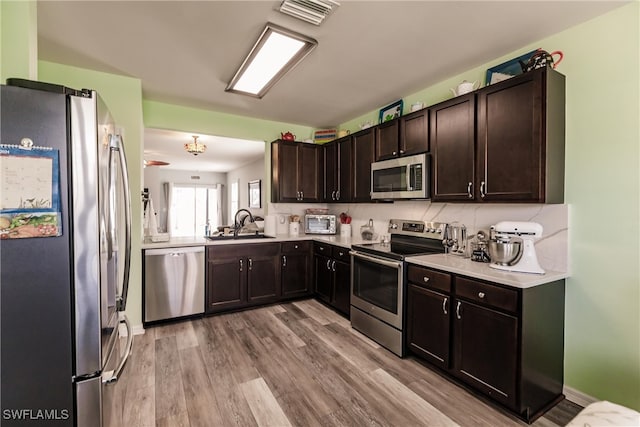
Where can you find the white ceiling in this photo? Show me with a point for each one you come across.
(222, 154)
(369, 53)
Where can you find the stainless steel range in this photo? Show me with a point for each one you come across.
(378, 279)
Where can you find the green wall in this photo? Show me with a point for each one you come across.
(123, 96)
(174, 117)
(18, 40)
(602, 322)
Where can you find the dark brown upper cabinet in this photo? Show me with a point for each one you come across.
(403, 136)
(452, 136)
(363, 154)
(521, 128)
(502, 143)
(297, 173)
(338, 170)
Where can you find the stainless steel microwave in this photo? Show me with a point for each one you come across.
(401, 178)
(320, 224)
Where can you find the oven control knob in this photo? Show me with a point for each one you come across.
(393, 226)
(438, 231)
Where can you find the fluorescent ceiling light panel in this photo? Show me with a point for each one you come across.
(276, 52)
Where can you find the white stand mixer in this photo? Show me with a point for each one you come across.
(511, 232)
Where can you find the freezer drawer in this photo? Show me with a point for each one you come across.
(173, 282)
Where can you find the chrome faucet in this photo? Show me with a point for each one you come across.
(236, 224)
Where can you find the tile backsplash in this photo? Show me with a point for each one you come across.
(552, 248)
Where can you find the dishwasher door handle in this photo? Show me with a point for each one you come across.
(173, 251)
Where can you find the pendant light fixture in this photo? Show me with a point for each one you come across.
(195, 147)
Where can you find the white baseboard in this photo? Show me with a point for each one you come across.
(136, 329)
(576, 396)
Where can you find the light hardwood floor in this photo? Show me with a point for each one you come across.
(294, 364)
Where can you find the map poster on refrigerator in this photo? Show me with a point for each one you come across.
(29, 191)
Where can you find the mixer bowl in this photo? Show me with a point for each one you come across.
(505, 253)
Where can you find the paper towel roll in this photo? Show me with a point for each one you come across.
(153, 223)
(270, 225)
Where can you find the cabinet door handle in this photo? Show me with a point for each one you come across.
(444, 305)
(328, 264)
(295, 246)
(481, 294)
(401, 151)
(483, 189)
(302, 195)
(458, 310)
(394, 153)
(333, 266)
(425, 279)
(250, 264)
(338, 195)
(469, 194)
(241, 265)
(284, 260)
(333, 195)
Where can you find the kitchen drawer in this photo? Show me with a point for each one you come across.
(322, 248)
(341, 254)
(428, 278)
(486, 294)
(295, 247)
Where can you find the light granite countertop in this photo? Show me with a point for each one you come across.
(178, 242)
(479, 270)
(443, 262)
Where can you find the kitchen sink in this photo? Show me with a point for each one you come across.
(241, 236)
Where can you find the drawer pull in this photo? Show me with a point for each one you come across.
(295, 246)
(284, 260)
(425, 279)
(240, 265)
(341, 253)
(481, 294)
(458, 310)
(444, 305)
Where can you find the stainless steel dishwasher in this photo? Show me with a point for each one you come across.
(173, 283)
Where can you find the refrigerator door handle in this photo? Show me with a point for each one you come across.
(117, 146)
(113, 375)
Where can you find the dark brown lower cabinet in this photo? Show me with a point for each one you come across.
(333, 276)
(506, 343)
(242, 275)
(427, 307)
(296, 269)
(486, 349)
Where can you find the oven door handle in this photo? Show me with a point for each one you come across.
(393, 264)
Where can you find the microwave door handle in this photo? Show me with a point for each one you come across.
(408, 174)
(126, 195)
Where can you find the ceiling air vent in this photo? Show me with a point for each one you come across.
(313, 11)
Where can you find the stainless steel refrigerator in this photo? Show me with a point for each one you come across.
(63, 296)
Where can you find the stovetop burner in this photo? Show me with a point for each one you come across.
(408, 238)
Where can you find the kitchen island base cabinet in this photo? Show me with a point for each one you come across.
(506, 343)
(239, 276)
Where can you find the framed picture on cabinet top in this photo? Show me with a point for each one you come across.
(254, 194)
(508, 69)
(390, 112)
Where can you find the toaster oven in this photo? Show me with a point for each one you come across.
(319, 224)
